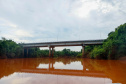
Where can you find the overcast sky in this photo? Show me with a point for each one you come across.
(59, 20)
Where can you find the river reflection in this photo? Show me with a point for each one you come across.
(62, 71)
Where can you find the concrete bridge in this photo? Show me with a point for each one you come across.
(52, 45)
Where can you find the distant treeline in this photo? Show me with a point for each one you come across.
(36, 52)
(113, 47)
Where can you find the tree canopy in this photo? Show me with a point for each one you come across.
(113, 47)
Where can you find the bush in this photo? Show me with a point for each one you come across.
(79, 55)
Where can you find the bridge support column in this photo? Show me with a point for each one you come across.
(52, 51)
(27, 52)
(83, 51)
(49, 51)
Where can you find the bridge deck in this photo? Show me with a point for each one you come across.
(65, 43)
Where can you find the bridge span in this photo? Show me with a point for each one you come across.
(52, 45)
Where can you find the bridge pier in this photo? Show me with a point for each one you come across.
(27, 52)
(51, 51)
(83, 50)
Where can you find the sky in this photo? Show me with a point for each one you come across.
(31, 21)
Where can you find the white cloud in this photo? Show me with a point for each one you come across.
(83, 10)
(73, 65)
(6, 23)
(23, 33)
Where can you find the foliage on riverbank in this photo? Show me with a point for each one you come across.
(113, 47)
(10, 49)
(67, 52)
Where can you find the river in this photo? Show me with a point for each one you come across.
(62, 71)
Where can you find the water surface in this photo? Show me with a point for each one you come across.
(62, 71)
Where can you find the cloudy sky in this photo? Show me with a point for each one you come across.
(59, 20)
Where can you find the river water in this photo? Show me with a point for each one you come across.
(62, 71)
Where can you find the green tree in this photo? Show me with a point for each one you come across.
(114, 46)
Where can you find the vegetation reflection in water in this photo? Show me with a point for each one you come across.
(62, 71)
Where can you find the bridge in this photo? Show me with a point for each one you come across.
(52, 45)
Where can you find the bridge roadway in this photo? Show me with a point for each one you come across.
(52, 45)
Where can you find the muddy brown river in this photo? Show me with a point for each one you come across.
(62, 71)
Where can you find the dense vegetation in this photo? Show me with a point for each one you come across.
(113, 47)
(10, 49)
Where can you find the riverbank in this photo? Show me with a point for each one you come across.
(122, 58)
